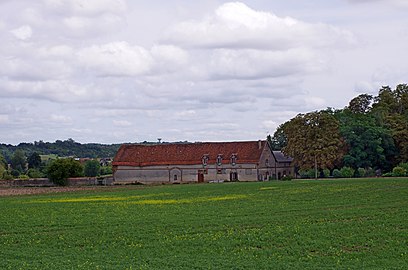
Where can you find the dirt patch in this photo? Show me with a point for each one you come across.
(6, 191)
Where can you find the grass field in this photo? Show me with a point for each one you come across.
(326, 224)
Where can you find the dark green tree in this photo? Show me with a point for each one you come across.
(34, 161)
(92, 168)
(360, 104)
(18, 161)
(369, 145)
(60, 170)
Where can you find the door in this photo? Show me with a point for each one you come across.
(200, 177)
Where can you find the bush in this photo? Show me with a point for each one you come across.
(23, 177)
(361, 172)
(370, 172)
(347, 172)
(388, 174)
(311, 173)
(7, 176)
(287, 178)
(60, 169)
(399, 171)
(34, 173)
(105, 170)
(336, 173)
(326, 173)
(92, 168)
(404, 165)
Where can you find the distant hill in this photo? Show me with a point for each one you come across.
(62, 149)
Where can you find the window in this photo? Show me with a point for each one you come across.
(221, 171)
(233, 159)
(175, 177)
(205, 159)
(219, 160)
(266, 162)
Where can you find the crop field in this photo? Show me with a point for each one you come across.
(323, 224)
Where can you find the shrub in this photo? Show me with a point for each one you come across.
(92, 168)
(326, 173)
(388, 174)
(399, 171)
(59, 170)
(404, 165)
(361, 172)
(311, 173)
(370, 172)
(336, 173)
(108, 170)
(23, 177)
(287, 178)
(303, 174)
(34, 173)
(7, 176)
(347, 172)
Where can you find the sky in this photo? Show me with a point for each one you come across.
(114, 71)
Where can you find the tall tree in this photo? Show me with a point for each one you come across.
(368, 144)
(360, 104)
(18, 160)
(314, 140)
(34, 160)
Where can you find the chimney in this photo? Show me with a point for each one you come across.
(259, 144)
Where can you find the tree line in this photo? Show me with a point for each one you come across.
(370, 134)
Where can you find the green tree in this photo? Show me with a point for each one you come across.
(360, 104)
(279, 139)
(34, 161)
(368, 144)
(60, 170)
(18, 160)
(314, 140)
(92, 168)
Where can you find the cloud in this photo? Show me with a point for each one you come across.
(88, 7)
(235, 25)
(116, 59)
(23, 33)
(122, 123)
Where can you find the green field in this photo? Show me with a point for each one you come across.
(324, 224)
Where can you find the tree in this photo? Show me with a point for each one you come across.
(92, 168)
(60, 170)
(314, 140)
(279, 140)
(360, 104)
(34, 161)
(368, 144)
(18, 160)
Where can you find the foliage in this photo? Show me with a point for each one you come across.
(347, 172)
(7, 176)
(337, 173)
(18, 161)
(263, 225)
(106, 170)
(361, 172)
(60, 148)
(399, 171)
(34, 160)
(23, 177)
(361, 104)
(314, 139)
(34, 173)
(92, 168)
(326, 173)
(287, 178)
(279, 139)
(59, 170)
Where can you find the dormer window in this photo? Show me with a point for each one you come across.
(233, 159)
(219, 160)
(205, 160)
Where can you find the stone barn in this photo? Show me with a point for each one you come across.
(199, 162)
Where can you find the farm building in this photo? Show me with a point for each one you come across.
(199, 162)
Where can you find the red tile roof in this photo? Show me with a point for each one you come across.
(187, 153)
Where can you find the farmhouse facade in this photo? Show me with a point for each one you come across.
(199, 162)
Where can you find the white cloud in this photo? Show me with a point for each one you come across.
(121, 123)
(4, 118)
(88, 7)
(62, 119)
(235, 25)
(23, 33)
(116, 59)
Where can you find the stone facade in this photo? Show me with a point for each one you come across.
(198, 162)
